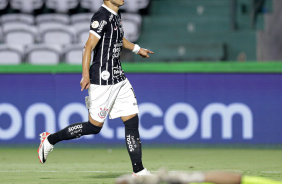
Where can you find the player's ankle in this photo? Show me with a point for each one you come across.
(53, 138)
(137, 167)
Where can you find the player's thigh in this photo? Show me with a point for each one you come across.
(125, 103)
(125, 118)
(100, 101)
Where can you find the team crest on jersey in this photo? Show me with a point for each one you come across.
(95, 24)
(103, 113)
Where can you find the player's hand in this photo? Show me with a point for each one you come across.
(144, 53)
(85, 83)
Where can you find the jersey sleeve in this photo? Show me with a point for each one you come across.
(98, 25)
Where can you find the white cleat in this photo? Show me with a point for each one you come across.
(44, 148)
(143, 177)
(144, 172)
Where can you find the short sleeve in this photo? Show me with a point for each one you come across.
(98, 25)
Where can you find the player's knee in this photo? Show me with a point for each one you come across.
(94, 122)
(132, 123)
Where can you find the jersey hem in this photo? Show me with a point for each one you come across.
(110, 83)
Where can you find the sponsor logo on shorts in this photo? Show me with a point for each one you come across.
(103, 113)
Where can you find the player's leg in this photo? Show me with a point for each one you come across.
(125, 107)
(133, 142)
(76, 130)
(72, 131)
(218, 177)
(184, 178)
(98, 95)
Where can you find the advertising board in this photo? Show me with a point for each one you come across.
(174, 108)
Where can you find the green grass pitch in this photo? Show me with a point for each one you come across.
(102, 166)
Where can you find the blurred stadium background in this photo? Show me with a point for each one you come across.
(210, 97)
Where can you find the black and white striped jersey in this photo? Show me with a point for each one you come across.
(106, 67)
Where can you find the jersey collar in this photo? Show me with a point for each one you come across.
(109, 9)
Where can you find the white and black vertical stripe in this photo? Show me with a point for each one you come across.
(117, 38)
(109, 49)
(101, 61)
(106, 52)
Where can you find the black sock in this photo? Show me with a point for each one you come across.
(133, 143)
(74, 131)
(53, 138)
(138, 166)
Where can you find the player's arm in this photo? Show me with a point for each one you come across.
(86, 59)
(144, 53)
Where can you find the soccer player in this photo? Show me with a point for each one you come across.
(110, 92)
(212, 177)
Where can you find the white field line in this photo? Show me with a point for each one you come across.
(271, 172)
(28, 171)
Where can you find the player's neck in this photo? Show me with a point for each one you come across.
(111, 6)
